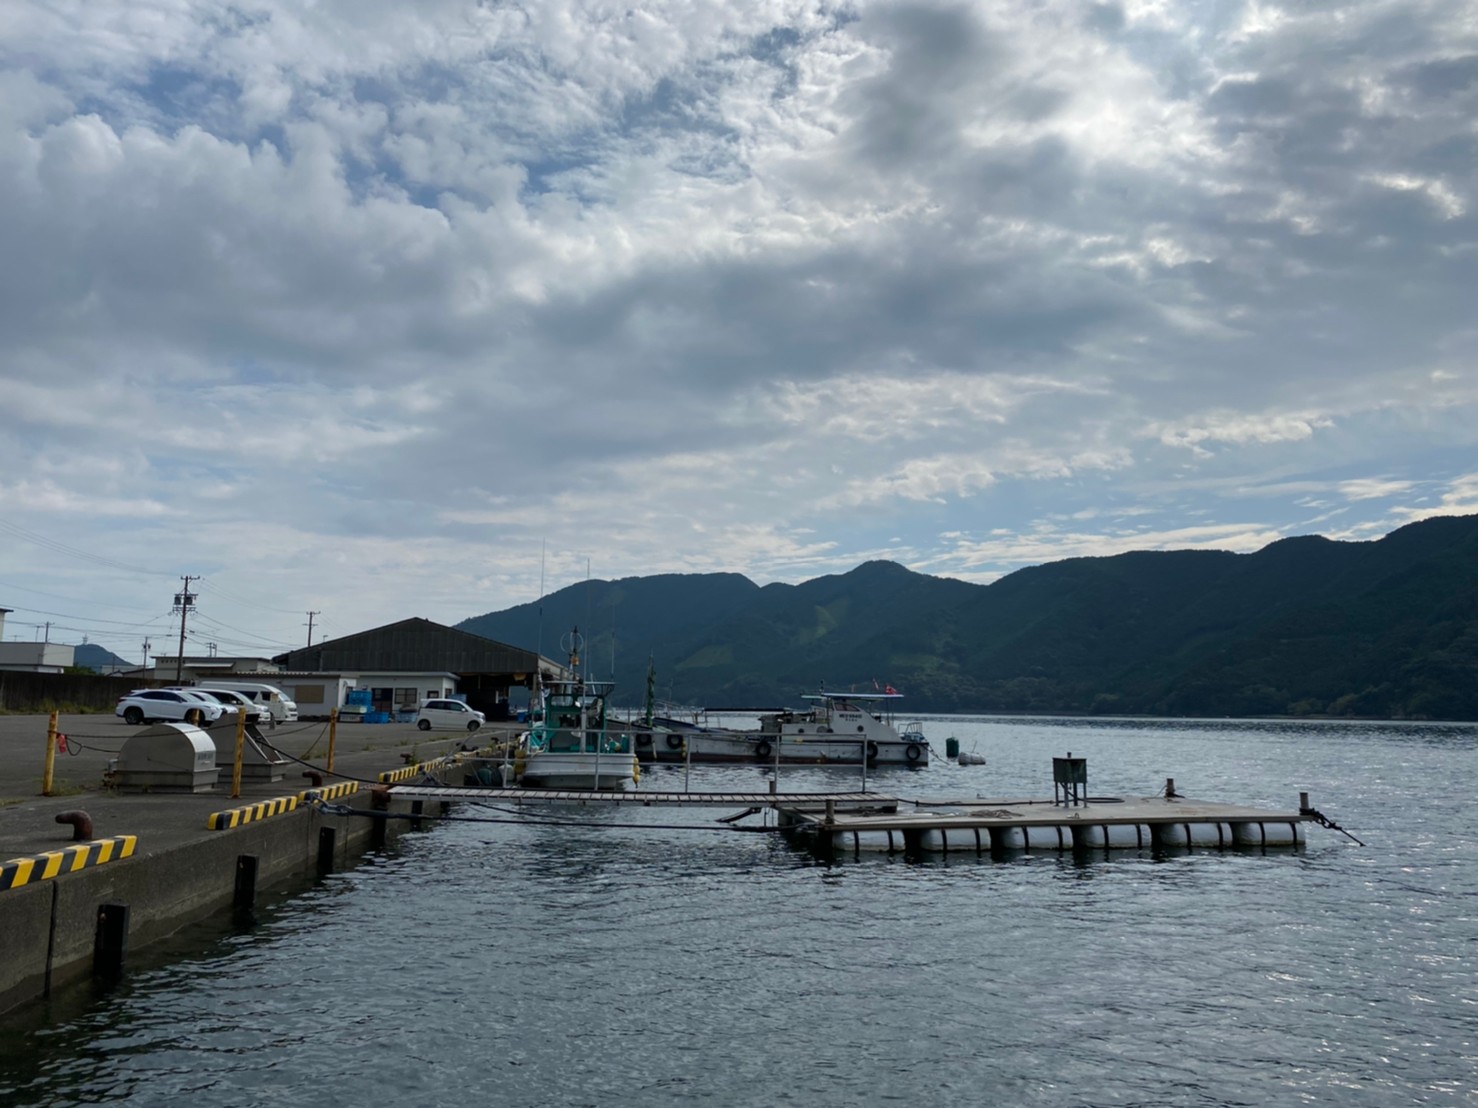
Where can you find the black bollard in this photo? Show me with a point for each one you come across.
(325, 851)
(245, 898)
(110, 942)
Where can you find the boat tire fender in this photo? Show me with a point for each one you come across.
(674, 742)
(763, 749)
(913, 752)
(872, 749)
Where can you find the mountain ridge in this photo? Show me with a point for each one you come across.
(1307, 625)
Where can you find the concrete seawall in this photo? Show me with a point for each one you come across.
(178, 871)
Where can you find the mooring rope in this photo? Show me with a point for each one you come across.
(1324, 821)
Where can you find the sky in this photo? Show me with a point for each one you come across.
(378, 310)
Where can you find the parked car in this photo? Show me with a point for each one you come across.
(283, 708)
(445, 715)
(255, 713)
(148, 705)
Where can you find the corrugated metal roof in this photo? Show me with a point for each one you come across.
(413, 645)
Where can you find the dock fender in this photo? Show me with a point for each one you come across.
(763, 749)
(913, 752)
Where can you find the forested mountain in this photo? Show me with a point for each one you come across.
(1306, 626)
(97, 658)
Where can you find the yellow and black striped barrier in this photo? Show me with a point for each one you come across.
(328, 792)
(236, 817)
(54, 863)
(389, 777)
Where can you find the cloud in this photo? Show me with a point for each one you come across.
(418, 291)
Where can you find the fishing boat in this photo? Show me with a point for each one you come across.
(569, 745)
(834, 729)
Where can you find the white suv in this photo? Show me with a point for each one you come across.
(147, 705)
(448, 715)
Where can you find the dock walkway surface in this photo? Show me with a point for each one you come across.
(163, 820)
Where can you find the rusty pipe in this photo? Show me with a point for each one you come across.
(81, 825)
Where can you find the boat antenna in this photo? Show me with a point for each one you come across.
(539, 634)
(538, 689)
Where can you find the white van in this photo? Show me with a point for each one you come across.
(444, 713)
(283, 708)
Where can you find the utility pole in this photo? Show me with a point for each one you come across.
(146, 648)
(183, 602)
(212, 648)
(310, 626)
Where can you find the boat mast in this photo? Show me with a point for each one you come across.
(651, 691)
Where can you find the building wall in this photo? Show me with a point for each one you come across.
(316, 695)
(406, 690)
(36, 657)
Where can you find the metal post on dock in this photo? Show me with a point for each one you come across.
(240, 749)
(46, 778)
(1170, 793)
(863, 745)
(333, 738)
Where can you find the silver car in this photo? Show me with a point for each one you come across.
(255, 713)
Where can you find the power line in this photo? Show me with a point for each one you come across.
(92, 619)
(219, 640)
(262, 639)
(58, 596)
(72, 551)
(216, 590)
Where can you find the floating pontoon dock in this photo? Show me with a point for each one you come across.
(1001, 826)
(856, 822)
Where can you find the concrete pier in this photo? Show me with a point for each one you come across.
(169, 858)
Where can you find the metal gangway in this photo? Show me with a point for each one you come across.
(642, 797)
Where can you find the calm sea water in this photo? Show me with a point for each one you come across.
(527, 964)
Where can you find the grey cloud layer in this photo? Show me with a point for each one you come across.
(414, 239)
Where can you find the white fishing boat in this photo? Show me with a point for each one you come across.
(835, 729)
(568, 745)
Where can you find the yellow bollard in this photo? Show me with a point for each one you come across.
(333, 737)
(46, 778)
(240, 750)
